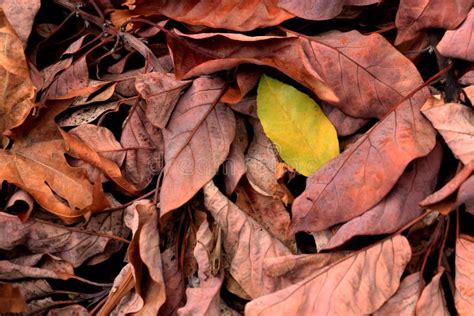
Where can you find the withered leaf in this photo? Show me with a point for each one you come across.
(42, 171)
(403, 302)
(432, 300)
(337, 289)
(18, 92)
(234, 165)
(358, 179)
(400, 206)
(245, 256)
(36, 266)
(228, 14)
(197, 141)
(455, 122)
(102, 141)
(21, 15)
(414, 16)
(11, 299)
(73, 246)
(161, 92)
(459, 43)
(145, 158)
(362, 75)
(203, 299)
(464, 296)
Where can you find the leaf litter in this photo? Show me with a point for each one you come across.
(241, 157)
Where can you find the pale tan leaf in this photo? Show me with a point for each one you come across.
(464, 296)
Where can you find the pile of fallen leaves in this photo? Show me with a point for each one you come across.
(266, 157)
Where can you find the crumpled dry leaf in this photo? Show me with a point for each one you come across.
(42, 171)
(399, 207)
(403, 302)
(455, 122)
(103, 142)
(432, 300)
(74, 310)
(36, 266)
(18, 92)
(464, 295)
(414, 16)
(78, 149)
(368, 277)
(245, 256)
(459, 43)
(197, 141)
(234, 165)
(245, 80)
(332, 197)
(161, 91)
(144, 273)
(204, 298)
(21, 204)
(74, 246)
(174, 283)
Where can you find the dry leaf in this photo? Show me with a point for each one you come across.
(359, 284)
(459, 43)
(464, 295)
(11, 299)
(432, 301)
(21, 15)
(197, 141)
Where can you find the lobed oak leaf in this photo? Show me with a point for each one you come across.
(464, 281)
(197, 141)
(245, 256)
(356, 180)
(432, 300)
(18, 92)
(414, 16)
(358, 284)
(399, 207)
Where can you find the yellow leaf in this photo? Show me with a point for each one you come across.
(303, 135)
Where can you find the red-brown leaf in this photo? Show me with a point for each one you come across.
(459, 43)
(464, 296)
(197, 141)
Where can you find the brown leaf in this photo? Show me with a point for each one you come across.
(56, 186)
(79, 149)
(36, 266)
(21, 15)
(102, 141)
(145, 158)
(267, 211)
(459, 43)
(234, 165)
(466, 195)
(161, 92)
(359, 284)
(415, 16)
(197, 141)
(320, 9)
(245, 256)
(11, 299)
(455, 122)
(345, 125)
(34, 289)
(75, 310)
(75, 246)
(228, 14)
(464, 296)
(364, 76)
(203, 299)
(21, 204)
(432, 301)
(358, 179)
(399, 207)
(144, 274)
(174, 283)
(87, 114)
(71, 82)
(247, 78)
(403, 302)
(18, 93)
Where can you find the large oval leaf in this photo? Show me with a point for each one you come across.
(303, 135)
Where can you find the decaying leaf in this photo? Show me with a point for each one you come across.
(18, 92)
(359, 284)
(197, 141)
(11, 299)
(464, 296)
(245, 256)
(303, 135)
